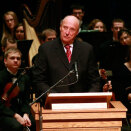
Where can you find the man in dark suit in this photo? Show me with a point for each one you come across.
(52, 63)
(14, 100)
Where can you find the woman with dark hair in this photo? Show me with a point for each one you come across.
(19, 32)
(121, 82)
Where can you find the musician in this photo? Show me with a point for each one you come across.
(78, 11)
(47, 35)
(14, 107)
(8, 42)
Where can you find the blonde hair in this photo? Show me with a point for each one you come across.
(10, 50)
(6, 31)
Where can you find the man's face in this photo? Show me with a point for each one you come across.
(117, 26)
(125, 39)
(69, 29)
(13, 61)
(78, 13)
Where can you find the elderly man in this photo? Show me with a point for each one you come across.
(56, 59)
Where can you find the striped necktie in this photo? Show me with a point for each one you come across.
(68, 52)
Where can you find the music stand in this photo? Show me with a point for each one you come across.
(95, 38)
(24, 47)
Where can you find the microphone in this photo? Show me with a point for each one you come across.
(76, 70)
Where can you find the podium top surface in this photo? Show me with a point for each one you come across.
(80, 94)
(90, 97)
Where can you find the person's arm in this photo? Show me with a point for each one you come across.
(6, 111)
(40, 73)
(93, 74)
(25, 95)
(27, 119)
(19, 119)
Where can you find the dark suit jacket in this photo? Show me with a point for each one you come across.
(19, 103)
(52, 65)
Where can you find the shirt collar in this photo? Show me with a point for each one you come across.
(11, 72)
(71, 45)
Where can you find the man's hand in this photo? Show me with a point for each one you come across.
(107, 87)
(27, 120)
(20, 119)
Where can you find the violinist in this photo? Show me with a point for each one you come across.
(8, 42)
(14, 100)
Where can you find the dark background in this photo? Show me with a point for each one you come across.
(106, 11)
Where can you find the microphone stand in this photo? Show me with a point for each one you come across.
(39, 98)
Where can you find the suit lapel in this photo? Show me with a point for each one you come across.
(61, 54)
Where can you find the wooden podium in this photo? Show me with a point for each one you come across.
(97, 119)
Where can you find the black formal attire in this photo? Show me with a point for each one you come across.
(120, 82)
(84, 26)
(111, 54)
(19, 104)
(2, 64)
(52, 65)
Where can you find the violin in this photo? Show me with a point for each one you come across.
(10, 92)
(104, 76)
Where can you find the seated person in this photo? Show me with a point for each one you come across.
(10, 21)
(47, 35)
(78, 11)
(19, 32)
(121, 81)
(14, 91)
(97, 24)
(6, 44)
(112, 52)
